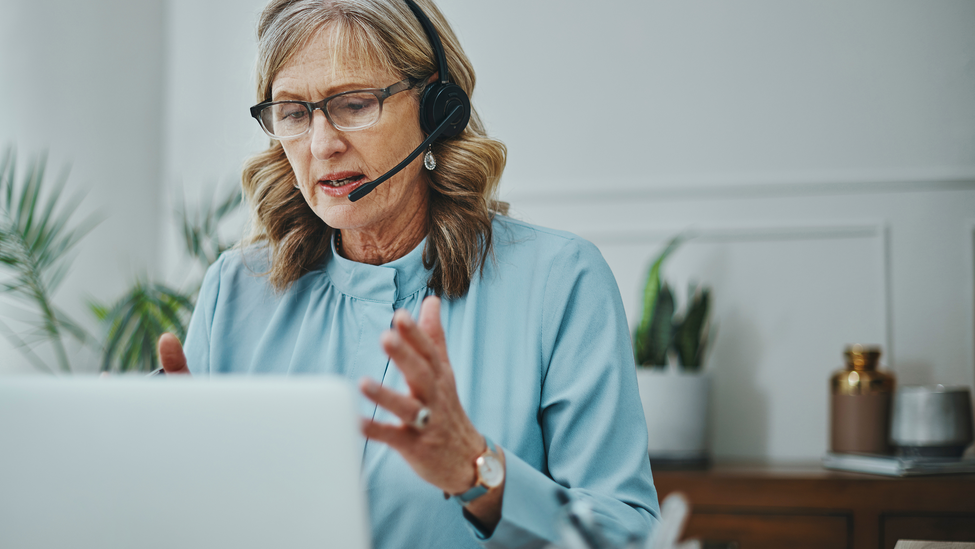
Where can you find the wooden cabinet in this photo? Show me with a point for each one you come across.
(758, 528)
(752, 506)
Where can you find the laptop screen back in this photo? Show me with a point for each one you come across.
(163, 463)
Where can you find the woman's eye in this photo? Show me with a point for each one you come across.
(292, 113)
(354, 104)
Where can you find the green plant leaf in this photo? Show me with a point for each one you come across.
(691, 332)
(37, 235)
(99, 310)
(134, 323)
(643, 342)
(25, 348)
(661, 328)
(201, 225)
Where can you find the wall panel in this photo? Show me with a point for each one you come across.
(795, 277)
(784, 304)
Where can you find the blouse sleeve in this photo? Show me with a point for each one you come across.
(592, 421)
(198, 335)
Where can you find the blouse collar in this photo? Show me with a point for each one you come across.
(385, 283)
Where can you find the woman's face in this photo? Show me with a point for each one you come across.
(329, 164)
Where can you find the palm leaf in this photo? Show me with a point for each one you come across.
(134, 323)
(24, 347)
(73, 328)
(37, 236)
(201, 233)
(118, 322)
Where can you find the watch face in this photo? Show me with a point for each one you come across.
(490, 470)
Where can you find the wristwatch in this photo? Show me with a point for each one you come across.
(490, 474)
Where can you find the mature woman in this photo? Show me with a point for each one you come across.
(514, 379)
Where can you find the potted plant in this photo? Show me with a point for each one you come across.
(37, 240)
(670, 349)
(132, 324)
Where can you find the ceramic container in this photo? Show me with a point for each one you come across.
(932, 421)
(676, 406)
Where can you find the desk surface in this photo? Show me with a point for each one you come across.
(806, 470)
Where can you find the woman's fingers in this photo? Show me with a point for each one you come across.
(416, 369)
(419, 339)
(419, 350)
(171, 355)
(430, 325)
(393, 435)
(411, 332)
(442, 450)
(404, 407)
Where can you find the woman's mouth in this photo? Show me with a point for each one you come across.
(341, 182)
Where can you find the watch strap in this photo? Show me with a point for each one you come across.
(479, 489)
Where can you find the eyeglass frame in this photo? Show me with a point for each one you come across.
(381, 95)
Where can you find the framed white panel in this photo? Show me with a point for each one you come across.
(786, 300)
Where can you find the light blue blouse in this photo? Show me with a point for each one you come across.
(541, 354)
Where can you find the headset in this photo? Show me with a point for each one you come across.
(445, 108)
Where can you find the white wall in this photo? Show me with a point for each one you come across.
(208, 131)
(637, 95)
(824, 151)
(83, 81)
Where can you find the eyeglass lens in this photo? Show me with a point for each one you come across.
(347, 112)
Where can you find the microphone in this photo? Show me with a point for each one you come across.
(369, 187)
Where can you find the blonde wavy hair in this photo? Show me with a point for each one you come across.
(383, 34)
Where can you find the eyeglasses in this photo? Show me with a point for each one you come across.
(346, 111)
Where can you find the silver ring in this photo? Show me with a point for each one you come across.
(422, 418)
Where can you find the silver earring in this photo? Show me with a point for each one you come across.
(429, 161)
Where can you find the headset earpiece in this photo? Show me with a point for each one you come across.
(440, 98)
(437, 101)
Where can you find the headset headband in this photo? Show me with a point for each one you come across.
(434, 40)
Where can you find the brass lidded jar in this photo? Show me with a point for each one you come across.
(860, 403)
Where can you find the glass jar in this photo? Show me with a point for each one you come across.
(860, 402)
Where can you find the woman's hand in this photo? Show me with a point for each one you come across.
(171, 355)
(443, 452)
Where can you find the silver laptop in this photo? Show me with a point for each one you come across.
(178, 463)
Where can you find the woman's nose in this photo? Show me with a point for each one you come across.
(326, 141)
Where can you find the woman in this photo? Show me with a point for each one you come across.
(516, 377)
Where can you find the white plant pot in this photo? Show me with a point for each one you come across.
(676, 406)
